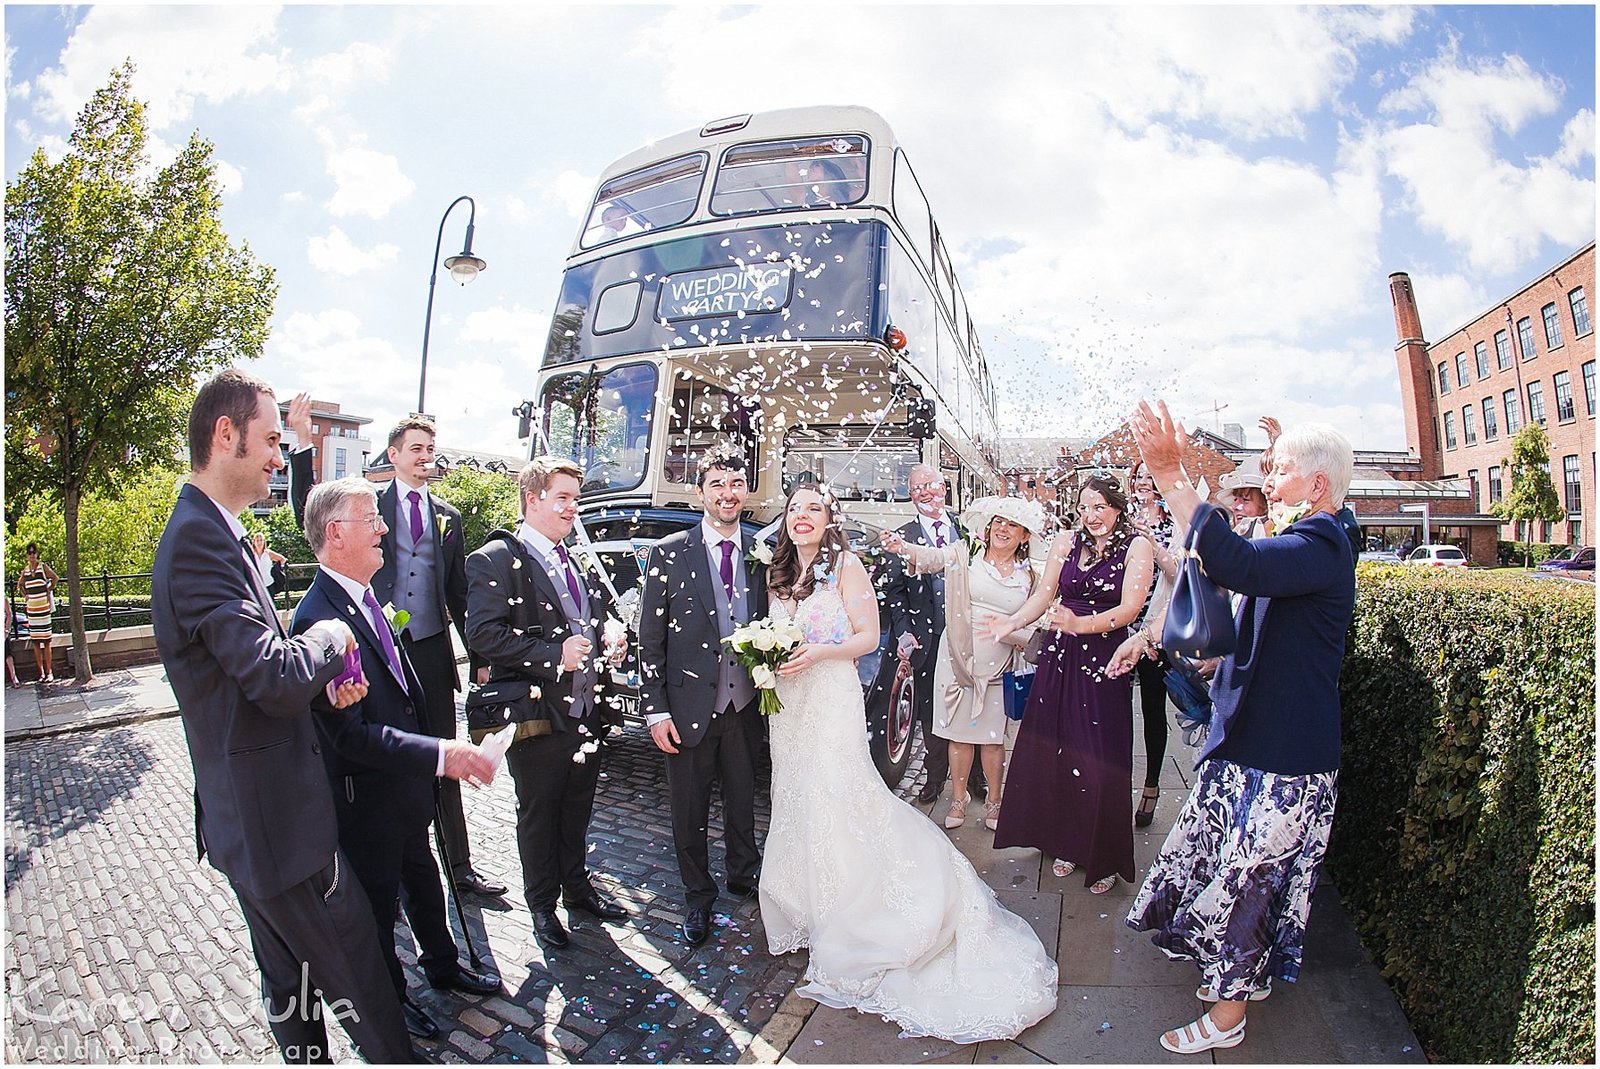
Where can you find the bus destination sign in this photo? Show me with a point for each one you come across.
(725, 291)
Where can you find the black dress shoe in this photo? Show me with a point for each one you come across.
(473, 983)
(547, 926)
(978, 788)
(471, 883)
(418, 1023)
(593, 904)
(696, 926)
(930, 793)
(743, 890)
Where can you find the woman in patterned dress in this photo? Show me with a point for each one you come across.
(37, 585)
(1231, 889)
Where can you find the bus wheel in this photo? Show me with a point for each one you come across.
(891, 713)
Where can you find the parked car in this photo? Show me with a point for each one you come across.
(1382, 556)
(1438, 557)
(1581, 560)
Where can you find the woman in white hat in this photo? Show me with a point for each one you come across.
(968, 699)
(1240, 493)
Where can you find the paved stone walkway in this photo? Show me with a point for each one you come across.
(121, 947)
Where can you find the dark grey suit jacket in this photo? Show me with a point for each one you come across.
(264, 811)
(680, 647)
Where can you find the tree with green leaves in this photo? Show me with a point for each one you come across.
(1532, 495)
(122, 291)
(486, 499)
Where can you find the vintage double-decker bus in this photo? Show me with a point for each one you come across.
(774, 285)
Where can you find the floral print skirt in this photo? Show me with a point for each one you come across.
(1231, 889)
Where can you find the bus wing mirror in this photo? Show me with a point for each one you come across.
(524, 414)
(919, 419)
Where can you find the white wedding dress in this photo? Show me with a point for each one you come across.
(896, 920)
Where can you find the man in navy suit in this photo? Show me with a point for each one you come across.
(382, 771)
(424, 573)
(263, 809)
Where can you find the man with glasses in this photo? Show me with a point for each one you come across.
(380, 764)
(916, 613)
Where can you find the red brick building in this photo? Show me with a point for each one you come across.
(1529, 356)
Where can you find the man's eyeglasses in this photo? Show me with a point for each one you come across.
(374, 521)
(920, 487)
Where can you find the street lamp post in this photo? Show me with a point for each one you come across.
(463, 267)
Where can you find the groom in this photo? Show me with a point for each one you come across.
(699, 702)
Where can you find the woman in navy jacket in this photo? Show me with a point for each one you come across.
(1231, 889)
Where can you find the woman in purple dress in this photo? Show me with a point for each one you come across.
(1068, 787)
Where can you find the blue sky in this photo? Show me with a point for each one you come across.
(1200, 202)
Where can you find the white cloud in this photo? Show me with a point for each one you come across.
(183, 54)
(334, 253)
(1459, 184)
(516, 331)
(367, 182)
(229, 178)
(571, 191)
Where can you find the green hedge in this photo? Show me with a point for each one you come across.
(1464, 843)
(1533, 553)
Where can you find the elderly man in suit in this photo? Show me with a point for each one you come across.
(423, 573)
(535, 617)
(382, 771)
(263, 808)
(698, 700)
(916, 609)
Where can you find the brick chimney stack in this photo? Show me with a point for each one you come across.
(1416, 377)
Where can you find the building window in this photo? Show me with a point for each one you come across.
(1580, 312)
(1525, 338)
(1569, 472)
(1564, 407)
(1449, 430)
(1472, 478)
(1461, 370)
(1502, 349)
(1495, 491)
(1588, 387)
(1444, 377)
(1513, 411)
(1536, 402)
(1575, 532)
(339, 463)
(1469, 425)
(1552, 326)
(1491, 428)
(1436, 435)
(1480, 354)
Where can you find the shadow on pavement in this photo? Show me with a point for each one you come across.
(55, 786)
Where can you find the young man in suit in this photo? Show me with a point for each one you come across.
(698, 700)
(535, 614)
(382, 771)
(424, 573)
(916, 608)
(263, 808)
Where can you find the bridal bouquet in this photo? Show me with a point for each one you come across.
(762, 646)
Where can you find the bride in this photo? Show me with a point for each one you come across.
(896, 920)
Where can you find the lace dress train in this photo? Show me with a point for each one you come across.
(896, 920)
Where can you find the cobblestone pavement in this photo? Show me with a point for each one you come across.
(122, 947)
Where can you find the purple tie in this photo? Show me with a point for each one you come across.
(572, 579)
(727, 568)
(380, 624)
(938, 532)
(416, 516)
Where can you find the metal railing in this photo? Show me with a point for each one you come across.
(111, 601)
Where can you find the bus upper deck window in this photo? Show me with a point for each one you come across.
(663, 194)
(777, 175)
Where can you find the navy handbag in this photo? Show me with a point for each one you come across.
(1199, 616)
(1017, 687)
